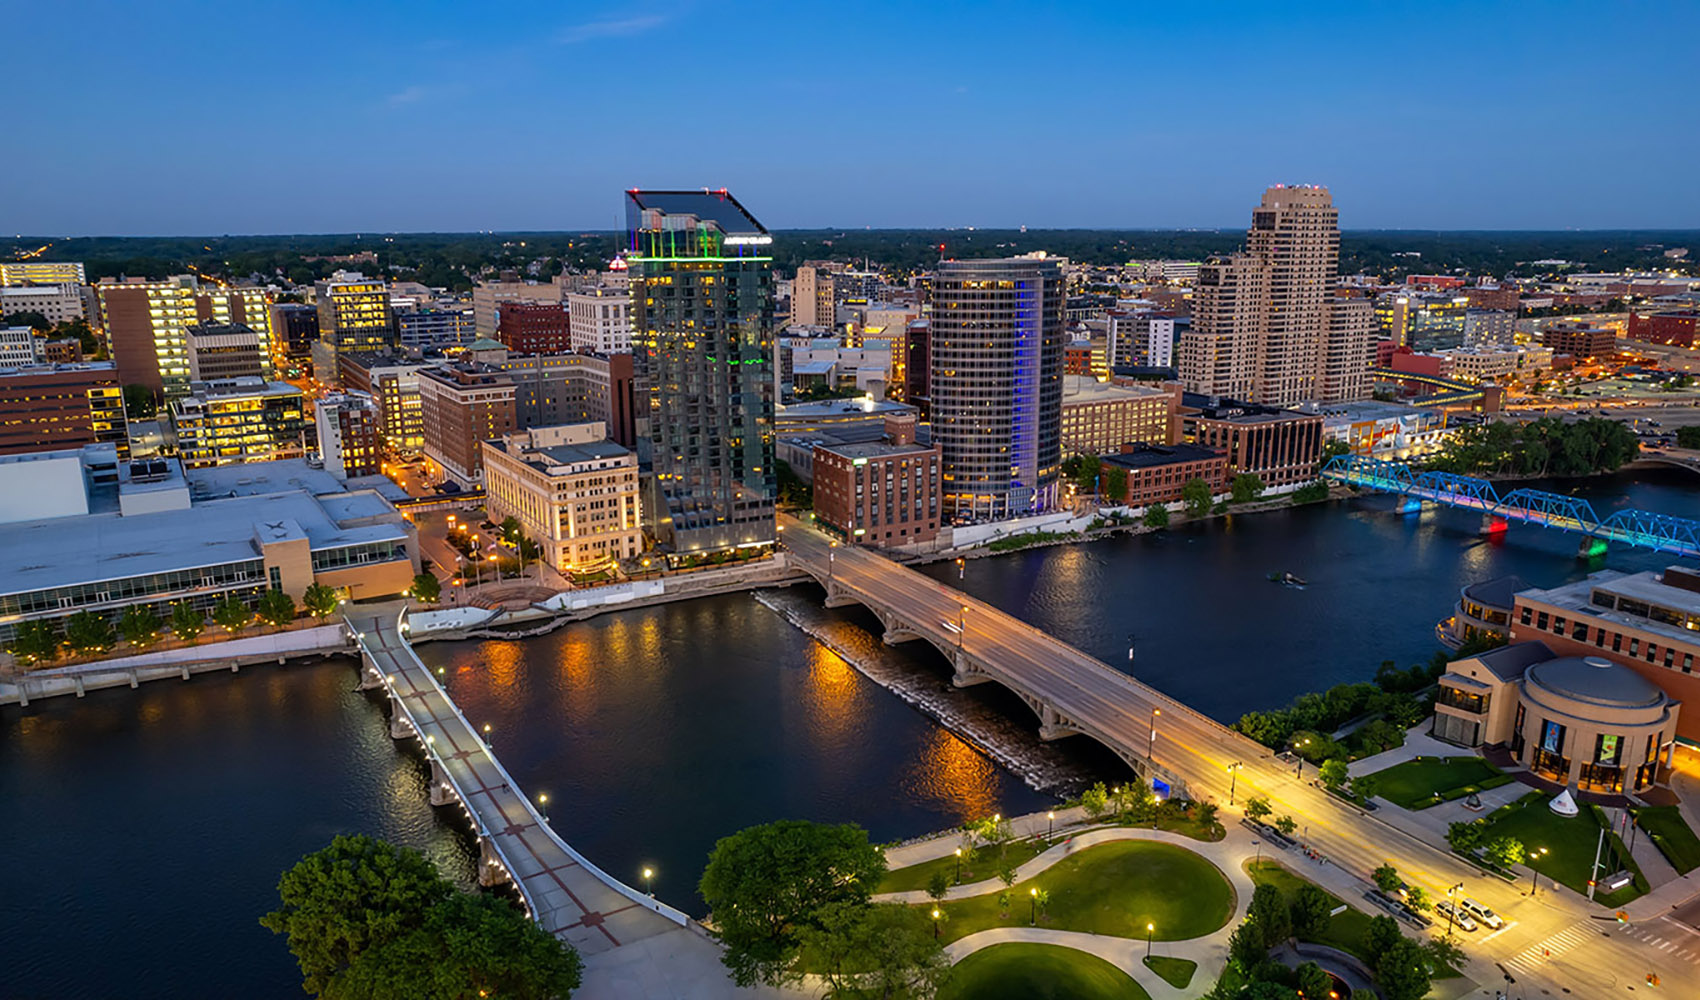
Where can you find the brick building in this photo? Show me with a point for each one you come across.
(534, 327)
(1580, 340)
(1675, 327)
(460, 406)
(1281, 447)
(53, 406)
(1156, 473)
(879, 493)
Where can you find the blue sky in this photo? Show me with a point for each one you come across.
(148, 118)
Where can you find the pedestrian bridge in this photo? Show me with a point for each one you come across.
(1070, 691)
(564, 893)
(1640, 528)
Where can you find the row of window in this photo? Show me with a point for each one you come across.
(1579, 631)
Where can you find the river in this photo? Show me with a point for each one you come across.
(146, 828)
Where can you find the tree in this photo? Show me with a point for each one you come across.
(1312, 981)
(232, 613)
(1444, 951)
(320, 600)
(31, 318)
(1006, 875)
(1196, 495)
(510, 529)
(1246, 487)
(1379, 936)
(1095, 801)
(140, 403)
(1205, 813)
(1311, 910)
(1287, 824)
(1416, 897)
(186, 622)
(276, 607)
(1115, 483)
(1157, 516)
(1333, 772)
(1268, 989)
(1269, 914)
(470, 946)
(764, 882)
(881, 950)
(1402, 971)
(1464, 837)
(1688, 437)
(1366, 787)
(1256, 809)
(938, 885)
(994, 831)
(35, 640)
(354, 895)
(427, 588)
(1041, 899)
(1381, 735)
(139, 625)
(1505, 851)
(1004, 897)
(1386, 878)
(1245, 945)
(87, 632)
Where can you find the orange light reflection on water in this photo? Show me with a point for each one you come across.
(957, 776)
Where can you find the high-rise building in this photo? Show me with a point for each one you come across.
(19, 346)
(601, 320)
(295, 329)
(432, 328)
(56, 303)
(354, 318)
(1348, 350)
(488, 297)
(997, 363)
(394, 382)
(42, 272)
(533, 327)
(570, 388)
(462, 405)
(702, 311)
(813, 296)
(233, 421)
(49, 407)
(223, 350)
(147, 323)
(350, 434)
(1261, 329)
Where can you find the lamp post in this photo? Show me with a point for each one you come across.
(1033, 897)
(486, 734)
(1534, 873)
(543, 806)
(649, 882)
(961, 627)
(959, 866)
(1050, 824)
(1233, 779)
(1151, 742)
(935, 923)
(831, 558)
(961, 568)
(1299, 762)
(1149, 929)
(1451, 906)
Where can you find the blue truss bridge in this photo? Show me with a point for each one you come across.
(1640, 528)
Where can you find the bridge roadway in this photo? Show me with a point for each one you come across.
(567, 895)
(1090, 697)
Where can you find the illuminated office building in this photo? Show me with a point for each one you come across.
(354, 318)
(147, 324)
(702, 310)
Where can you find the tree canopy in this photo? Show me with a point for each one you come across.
(1544, 447)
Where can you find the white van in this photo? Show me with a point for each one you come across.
(1480, 912)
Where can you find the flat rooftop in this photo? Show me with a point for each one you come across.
(1646, 588)
(1086, 389)
(874, 449)
(1155, 455)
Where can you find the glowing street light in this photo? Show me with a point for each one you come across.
(649, 882)
(1033, 895)
(935, 923)
(959, 866)
(1050, 823)
(1149, 930)
(1233, 781)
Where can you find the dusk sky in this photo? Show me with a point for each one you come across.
(192, 118)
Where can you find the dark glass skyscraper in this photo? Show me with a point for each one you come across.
(997, 364)
(702, 315)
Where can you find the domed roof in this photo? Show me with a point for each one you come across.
(1597, 680)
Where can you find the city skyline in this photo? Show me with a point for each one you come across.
(1445, 117)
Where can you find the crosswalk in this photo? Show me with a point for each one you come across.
(1666, 939)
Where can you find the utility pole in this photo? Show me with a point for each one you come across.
(1594, 871)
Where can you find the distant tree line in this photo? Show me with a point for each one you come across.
(1545, 447)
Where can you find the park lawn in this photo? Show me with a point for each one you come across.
(1345, 931)
(984, 866)
(1672, 836)
(1116, 889)
(1177, 972)
(1023, 971)
(1416, 781)
(1570, 844)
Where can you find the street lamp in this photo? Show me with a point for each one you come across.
(543, 805)
(486, 732)
(1050, 824)
(649, 882)
(1233, 779)
(1033, 895)
(1451, 906)
(1534, 874)
(961, 627)
(1299, 762)
(959, 866)
(1149, 929)
(961, 567)
(935, 923)
(1151, 743)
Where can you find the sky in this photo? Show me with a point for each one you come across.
(147, 118)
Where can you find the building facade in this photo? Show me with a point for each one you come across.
(354, 318)
(460, 406)
(222, 351)
(295, 329)
(533, 327)
(996, 390)
(601, 320)
(147, 322)
(42, 272)
(57, 303)
(1280, 447)
(1100, 417)
(52, 407)
(488, 297)
(879, 493)
(394, 383)
(1158, 473)
(433, 329)
(236, 421)
(1581, 341)
(574, 493)
(570, 388)
(702, 310)
(351, 439)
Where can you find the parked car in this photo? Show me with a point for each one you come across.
(1463, 921)
(1480, 912)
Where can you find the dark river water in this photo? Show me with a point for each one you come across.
(144, 830)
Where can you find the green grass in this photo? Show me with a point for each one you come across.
(984, 866)
(1416, 782)
(1177, 972)
(1022, 971)
(1570, 844)
(1345, 931)
(1672, 836)
(1116, 889)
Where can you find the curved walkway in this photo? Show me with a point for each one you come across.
(1210, 951)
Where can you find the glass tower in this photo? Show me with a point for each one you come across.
(702, 315)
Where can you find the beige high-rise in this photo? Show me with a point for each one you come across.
(1262, 328)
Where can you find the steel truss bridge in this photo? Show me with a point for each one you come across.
(1639, 528)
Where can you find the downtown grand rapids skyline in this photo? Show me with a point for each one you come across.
(1263, 328)
(702, 314)
(997, 364)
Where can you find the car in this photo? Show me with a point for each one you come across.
(1463, 921)
(450, 487)
(1480, 911)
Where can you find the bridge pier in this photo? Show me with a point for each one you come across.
(185, 671)
(135, 681)
(80, 690)
(1493, 525)
(1590, 548)
(837, 598)
(370, 678)
(1051, 725)
(963, 671)
(400, 728)
(442, 793)
(490, 870)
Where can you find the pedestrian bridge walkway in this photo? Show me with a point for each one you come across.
(566, 894)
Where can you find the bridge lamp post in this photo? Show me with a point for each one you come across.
(649, 882)
(486, 733)
(961, 627)
(1233, 779)
(961, 567)
(543, 805)
(1151, 743)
